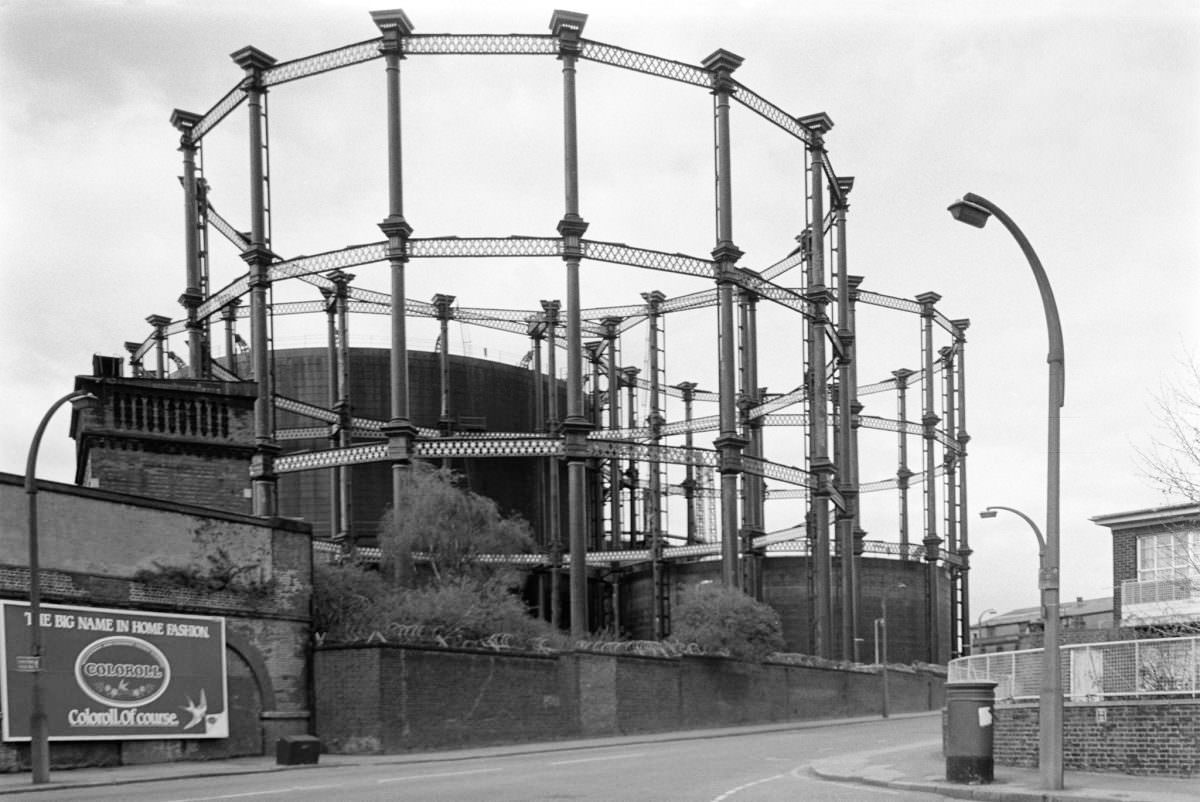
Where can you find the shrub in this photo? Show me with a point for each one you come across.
(722, 620)
(354, 604)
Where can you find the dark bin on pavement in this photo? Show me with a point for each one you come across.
(968, 747)
(292, 750)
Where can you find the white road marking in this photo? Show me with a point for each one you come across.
(245, 794)
(594, 759)
(431, 776)
(733, 791)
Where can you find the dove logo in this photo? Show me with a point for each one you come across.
(122, 671)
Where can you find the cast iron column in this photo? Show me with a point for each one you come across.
(822, 468)
(192, 296)
(962, 438)
(929, 422)
(729, 444)
(750, 395)
(399, 429)
(846, 431)
(903, 472)
(347, 533)
(331, 378)
(259, 257)
(689, 482)
(567, 26)
(611, 329)
(553, 428)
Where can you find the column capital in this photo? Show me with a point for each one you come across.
(729, 456)
(727, 253)
(568, 26)
(721, 63)
(395, 227)
(442, 303)
(392, 23)
(401, 435)
(252, 60)
(927, 300)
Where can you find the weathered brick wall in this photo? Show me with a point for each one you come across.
(647, 694)
(180, 440)
(387, 698)
(92, 545)
(390, 698)
(1160, 736)
(1124, 561)
(205, 479)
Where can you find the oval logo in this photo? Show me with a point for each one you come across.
(122, 671)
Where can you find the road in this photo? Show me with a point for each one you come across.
(730, 768)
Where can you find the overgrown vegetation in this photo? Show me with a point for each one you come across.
(219, 573)
(456, 597)
(722, 620)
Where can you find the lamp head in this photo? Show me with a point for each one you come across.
(970, 213)
(989, 513)
(84, 401)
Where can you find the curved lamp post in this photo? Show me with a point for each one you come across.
(979, 620)
(975, 211)
(39, 741)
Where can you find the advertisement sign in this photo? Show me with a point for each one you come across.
(114, 674)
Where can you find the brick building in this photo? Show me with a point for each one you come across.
(1156, 567)
(1023, 627)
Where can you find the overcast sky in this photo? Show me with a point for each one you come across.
(1081, 120)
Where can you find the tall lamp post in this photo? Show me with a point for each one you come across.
(975, 210)
(979, 620)
(881, 646)
(39, 741)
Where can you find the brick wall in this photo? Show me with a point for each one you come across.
(180, 440)
(1144, 737)
(388, 698)
(93, 544)
(1124, 559)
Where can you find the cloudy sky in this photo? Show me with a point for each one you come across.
(1081, 120)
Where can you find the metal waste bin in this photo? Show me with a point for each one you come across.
(293, 750)
(968, 747)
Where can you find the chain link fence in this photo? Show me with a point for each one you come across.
(1092, 671)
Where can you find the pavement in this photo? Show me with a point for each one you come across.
(908, 768)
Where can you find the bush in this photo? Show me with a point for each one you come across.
(722, 620)
(354, 604)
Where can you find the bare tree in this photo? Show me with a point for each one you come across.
(1172, 460)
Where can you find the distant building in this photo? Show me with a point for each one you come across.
(1156, 567)
(1023, 628)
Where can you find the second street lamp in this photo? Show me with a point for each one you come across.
(975, 211)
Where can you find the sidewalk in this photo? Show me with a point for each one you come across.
(912, 768)
(922, 769)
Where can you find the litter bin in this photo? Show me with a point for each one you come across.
(968, 747)
(293, 750)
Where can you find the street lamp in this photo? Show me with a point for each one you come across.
(979, 620)
(974, 211)
(881, 639)
(39, 742)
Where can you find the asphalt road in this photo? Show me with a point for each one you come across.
(736, 768)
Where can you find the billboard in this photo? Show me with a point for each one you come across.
(114, 674)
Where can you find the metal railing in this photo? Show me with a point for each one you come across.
(1092, 671)
(1152, 591)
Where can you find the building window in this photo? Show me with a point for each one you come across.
(1169, 555)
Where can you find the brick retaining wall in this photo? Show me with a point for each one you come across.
(383, 698)
(1151, 736)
